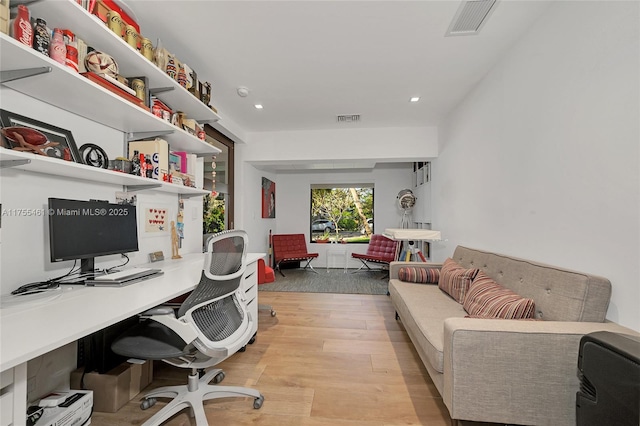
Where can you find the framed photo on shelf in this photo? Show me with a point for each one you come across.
(25, 134)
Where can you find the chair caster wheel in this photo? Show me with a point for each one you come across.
(218, 378)
(252, 340)
(148, 403)
(273, 313)
(257, 403)
(242, 349)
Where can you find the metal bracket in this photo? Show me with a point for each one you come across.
(132, 136)
(13, 163)
(160, 90)
(10, 75)
(190, 195)
(134, 188)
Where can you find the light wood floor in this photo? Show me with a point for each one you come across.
(325, 359)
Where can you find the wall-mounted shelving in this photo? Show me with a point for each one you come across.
(72, 92)
(35, 163)
(68, 14)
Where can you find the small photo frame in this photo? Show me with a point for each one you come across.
(25, 134)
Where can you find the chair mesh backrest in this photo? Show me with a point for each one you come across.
(381, 246)
(226, 255)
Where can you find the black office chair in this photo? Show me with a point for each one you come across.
(211, 325)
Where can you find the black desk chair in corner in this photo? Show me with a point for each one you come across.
(211, 325)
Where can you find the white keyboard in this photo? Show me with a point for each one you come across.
(115, 276)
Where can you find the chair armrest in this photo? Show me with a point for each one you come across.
(158, 310)
(395, 266)
(185, 330)
(514, 371)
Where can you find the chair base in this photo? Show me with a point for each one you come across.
(308, 265)
(193, 395)
(369, 269)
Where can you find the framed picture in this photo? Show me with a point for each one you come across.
(26, 134)
(268, 198)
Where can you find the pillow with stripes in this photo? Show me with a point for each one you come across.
(455, 279)
(419, 275)
(488, 299)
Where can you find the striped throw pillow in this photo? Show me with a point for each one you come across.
(488, 299)
(419, 275)
(455, 280)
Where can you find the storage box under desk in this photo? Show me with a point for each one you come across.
(112, 390)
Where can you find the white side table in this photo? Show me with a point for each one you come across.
(338, 250)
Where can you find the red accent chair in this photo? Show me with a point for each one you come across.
(381, 250)
(291, 248)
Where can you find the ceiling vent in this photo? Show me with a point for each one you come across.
(471, 17)
(348, 118)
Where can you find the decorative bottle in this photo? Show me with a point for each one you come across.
(57, 48)
(21, 28)
(149, 168)
(135, 163)
(143, 165)
(71, 56)
(41, 37)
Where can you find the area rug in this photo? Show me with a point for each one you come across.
(331, 281)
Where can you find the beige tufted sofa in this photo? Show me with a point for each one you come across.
(505, 371)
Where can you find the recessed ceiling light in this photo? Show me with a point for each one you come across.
(258, 106)
(414, 99)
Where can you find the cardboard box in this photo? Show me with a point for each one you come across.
(110, 390)
(157, 150)
(141, 377)
(76, 410)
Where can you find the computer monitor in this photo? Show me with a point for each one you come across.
(87, 229)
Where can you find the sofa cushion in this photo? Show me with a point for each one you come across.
(423, 309)
(455, 280)
(488, 299)
(419, 275)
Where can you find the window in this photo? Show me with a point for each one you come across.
(341, 213)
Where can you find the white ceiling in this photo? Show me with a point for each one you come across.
(308, 61)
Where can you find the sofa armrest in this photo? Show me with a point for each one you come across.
(395, 266)
(514, 371)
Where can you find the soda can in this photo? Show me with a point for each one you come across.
(146, 48)
(114, 21)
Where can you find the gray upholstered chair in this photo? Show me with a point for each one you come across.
(211, 325)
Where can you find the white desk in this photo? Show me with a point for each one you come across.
(33, 325)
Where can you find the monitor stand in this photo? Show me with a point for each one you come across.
(87, 268)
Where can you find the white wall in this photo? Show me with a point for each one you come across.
(380, 145)
(541, 160)
(388, 144)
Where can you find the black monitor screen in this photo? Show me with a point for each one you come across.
(86, 229)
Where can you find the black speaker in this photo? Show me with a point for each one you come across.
(609, 370)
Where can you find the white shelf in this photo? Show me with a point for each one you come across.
(72, 92)
(35, 163)
(68, 14)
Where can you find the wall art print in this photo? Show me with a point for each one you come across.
(268, 199)
(156, 219)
